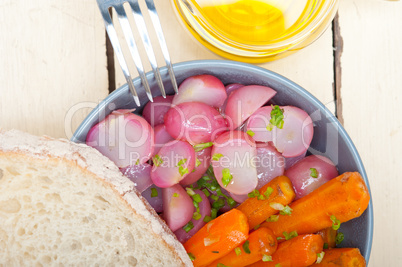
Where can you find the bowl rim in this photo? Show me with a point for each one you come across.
(272, 75)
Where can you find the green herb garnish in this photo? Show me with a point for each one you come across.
(237, 251)
(313, 172)
(290, 235)
(192, 258)
(154, 192)
(215, 251)
(216, 156)
(246, 248)
(276, 118)
(207, 219)
(325, 246)
(206, 192)
(286, 211)
(199, 147)
(335, 222)
(197, 162)
(250, 133)
(273, 218)
(188, 226)
(175, 195)
(320, 256)
(226, 177)
(266, 258)
(157, 160)
(268, 192)
(197, 198)
(339, 238)
(196, 215)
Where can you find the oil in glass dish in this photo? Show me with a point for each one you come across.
(236, 28)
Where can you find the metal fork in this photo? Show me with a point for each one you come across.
(104, 6)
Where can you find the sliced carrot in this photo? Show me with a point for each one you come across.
(344, 257)
(329, 236)
(300, 251)
(260, 242)
(218, 237)
(257, 211)
(342, 198)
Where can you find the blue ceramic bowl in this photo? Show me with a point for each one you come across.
(330, 138)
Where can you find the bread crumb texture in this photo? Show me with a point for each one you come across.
(65, 204)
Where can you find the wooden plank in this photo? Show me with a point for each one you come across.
(311, 67)
(52, 59)
(371, 86)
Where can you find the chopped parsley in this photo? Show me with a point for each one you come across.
(188, 226)
(276, 118)
(154, 192)
(246, 248)
(339, 238)
(313, 172)
(290, 235)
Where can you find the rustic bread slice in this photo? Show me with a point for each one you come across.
(65, 204)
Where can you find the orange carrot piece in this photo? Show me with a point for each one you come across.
(329, 236)
(300, 251)
(218, 237)
(260, 242)
(345, 197)
(257, 211)
(342, 257)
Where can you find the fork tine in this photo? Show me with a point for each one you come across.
(125, 25)
(117, 49)
(162, 42)
(139, 20)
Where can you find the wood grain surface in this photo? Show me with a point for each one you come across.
(53, 69)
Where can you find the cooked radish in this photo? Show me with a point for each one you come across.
(239, 198)
(201, 88)
(289, 162)
(161, 137)
(178, 207)
(154, 112)
(310, 173)
(140, 174)
(174, 161)
(203, 159)
(123, 137)
(154, 197)
(197, 224)
(229, 89)
(270, 163)
(289, 128)
(245, 101)
(194, 122)
(233, 160)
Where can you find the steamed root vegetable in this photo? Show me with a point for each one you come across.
(123, 137)
(140, 175)
(300, 251)
(233, 162)
(260, 243)
(197, 222)
(217, 238)
(194, 122)
(161, 137)
(279, 191)
(245, 101)
(289, 128)
(174, 161)
(289, 162)
(230, 88)
(342, 257)
(203, 160)
(270, 163)
(153, 195)
(339, 200)
(154, 112)
(177, 207)
(310, 173)
(201, 88)
(329, 237)
(239, 198)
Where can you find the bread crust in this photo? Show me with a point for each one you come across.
(15, 143)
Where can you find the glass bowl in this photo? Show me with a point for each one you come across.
(255, 31)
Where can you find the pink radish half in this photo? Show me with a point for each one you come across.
(156, 202)
(270, 163)
(140, 175)
(178, 207)
(239, 198)
(233, 156)
(293, 139)
(245, 101)
(194, 122)
(201, 88)
(173, 163)
(161, 137)
(123, 137)
(205, 210)
(204, 160)
(229, 89)
(310, 173)
(154, 112)
(289, 162)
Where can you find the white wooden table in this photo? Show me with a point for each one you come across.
(53, 69)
